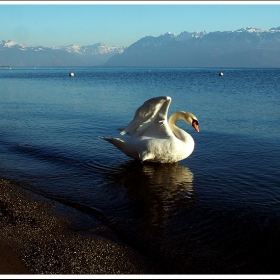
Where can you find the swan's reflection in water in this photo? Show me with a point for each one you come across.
(157, 191)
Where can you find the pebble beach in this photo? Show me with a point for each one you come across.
(35, 239)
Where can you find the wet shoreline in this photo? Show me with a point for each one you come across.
(35, 239)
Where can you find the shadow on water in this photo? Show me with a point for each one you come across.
(154, 190)
(156, 196)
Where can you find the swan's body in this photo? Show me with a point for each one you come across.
(154, 137)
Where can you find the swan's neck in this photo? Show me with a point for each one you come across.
(178, 132)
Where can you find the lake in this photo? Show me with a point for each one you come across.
(218, 211)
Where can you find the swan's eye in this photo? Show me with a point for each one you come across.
(196, 122)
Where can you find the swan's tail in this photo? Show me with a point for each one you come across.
(133, 153)
(119, 143)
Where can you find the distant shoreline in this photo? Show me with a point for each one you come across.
(137, 67)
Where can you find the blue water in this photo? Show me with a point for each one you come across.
(217, 211)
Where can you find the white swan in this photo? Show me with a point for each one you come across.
(153, 137)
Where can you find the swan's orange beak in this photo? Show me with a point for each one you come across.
(195, 125)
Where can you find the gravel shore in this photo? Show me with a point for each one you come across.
(35, 239)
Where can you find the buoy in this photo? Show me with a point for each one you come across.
(71, 74)
(221, 74)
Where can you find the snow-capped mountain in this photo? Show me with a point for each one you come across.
(16, 54)
(95, 49)
(246, 47)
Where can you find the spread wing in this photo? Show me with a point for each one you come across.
(150, 119)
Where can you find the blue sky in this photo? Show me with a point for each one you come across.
(119, 24)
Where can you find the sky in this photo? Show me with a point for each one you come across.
(122, 23)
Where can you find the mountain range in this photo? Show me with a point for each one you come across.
(16, 54)
(246, 47)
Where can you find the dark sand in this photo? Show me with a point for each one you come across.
(36, 239)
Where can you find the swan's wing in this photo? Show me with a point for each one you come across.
(150, 117)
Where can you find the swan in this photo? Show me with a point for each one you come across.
(155, 138)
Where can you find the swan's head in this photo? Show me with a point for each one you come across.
(191, 119)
